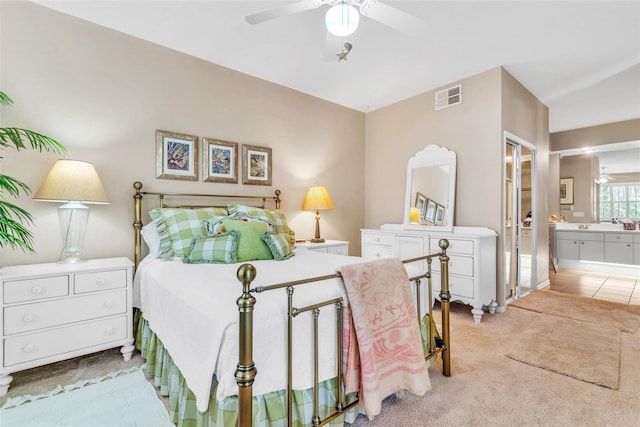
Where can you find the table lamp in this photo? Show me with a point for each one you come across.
(317, 199)
(414, 216)
(73, 182)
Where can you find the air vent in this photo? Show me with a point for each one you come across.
(448, 97)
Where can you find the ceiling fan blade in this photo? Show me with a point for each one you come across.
(289, 9)
(392, 17)
(332, 46)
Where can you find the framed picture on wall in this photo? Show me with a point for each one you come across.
(566, 191)
(439, 215)
(220, 162)
(256, 165)
(421, 203)
(176, 156)
(430, 211)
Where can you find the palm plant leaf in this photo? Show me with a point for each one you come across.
(12, 186)
(13, 233)
(16, 138)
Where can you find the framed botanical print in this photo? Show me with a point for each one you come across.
(430, 211)
(220, 161)
(176, 156)
(256, 165)
(439, 215)
(566, 191)
(421, 203)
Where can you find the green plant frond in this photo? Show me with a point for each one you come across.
(16, 137)
(9, 210)
(13, 186)
(15, 235)
(4, 99)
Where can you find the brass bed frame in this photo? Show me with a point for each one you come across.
(246, 371)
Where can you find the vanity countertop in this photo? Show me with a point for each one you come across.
(592, 228)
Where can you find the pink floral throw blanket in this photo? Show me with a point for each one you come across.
(381, 336)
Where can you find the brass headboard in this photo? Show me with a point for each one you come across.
(164, 201)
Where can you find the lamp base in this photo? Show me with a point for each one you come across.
(317, 240)
(73, 218)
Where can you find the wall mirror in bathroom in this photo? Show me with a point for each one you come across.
(430, 190)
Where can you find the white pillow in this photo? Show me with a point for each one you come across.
(151, 237)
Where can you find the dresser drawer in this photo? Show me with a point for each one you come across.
(377, 239)
(455, 246)
(28, 317)
(458, 286)
(618, 237)
(90, 282)
(377, 251)
(35, 289)
(39, 345)
(461, 265)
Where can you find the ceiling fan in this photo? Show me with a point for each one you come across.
(347, 13)
(604, 178)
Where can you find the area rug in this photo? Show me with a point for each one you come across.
(586, 351)
(626, 317)
(117, 399)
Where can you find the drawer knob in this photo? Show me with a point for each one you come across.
(109, 331)
(28, 318)
(108, 304)
(377, 239)
(36, 290)
(28, 348)
(101, 282)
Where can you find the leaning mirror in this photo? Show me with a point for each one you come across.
(430, 190)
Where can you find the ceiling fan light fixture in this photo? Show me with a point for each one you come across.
(342, 19)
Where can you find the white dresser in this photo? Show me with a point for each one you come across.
(472, 264)
(338, 247)
(52, 312)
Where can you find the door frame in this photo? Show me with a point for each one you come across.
(516, 140)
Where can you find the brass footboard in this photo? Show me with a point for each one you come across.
(246, 371)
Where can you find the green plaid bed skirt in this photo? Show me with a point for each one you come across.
(268, 409)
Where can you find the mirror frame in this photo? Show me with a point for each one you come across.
(431, 155)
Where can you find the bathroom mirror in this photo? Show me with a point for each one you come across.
(430, 190)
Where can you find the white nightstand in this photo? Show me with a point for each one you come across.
(338, 247)
(52, 312)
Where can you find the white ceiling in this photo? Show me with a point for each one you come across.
(581, 58)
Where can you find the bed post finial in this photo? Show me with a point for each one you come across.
(137, 222)
(246, 370)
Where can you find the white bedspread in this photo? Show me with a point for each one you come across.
(192, 309)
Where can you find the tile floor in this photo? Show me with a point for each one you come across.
(612, 287)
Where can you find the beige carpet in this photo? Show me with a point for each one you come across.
(626, 317)
(586, 351)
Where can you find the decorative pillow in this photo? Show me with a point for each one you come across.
(151, 237)
(218, 249)
(250, 245)
(275, 217)
(178, 226)
(278, 245)
(213, 226)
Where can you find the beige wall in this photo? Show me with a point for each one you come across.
(628, 130)
(584, 170)
(103, 94)
(493, 102)
(524, 116)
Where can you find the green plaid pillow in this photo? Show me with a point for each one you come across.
(178, 226)
(218, 249)
(275, 217)
(278, 245)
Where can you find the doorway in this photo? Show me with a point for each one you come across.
(519, 211)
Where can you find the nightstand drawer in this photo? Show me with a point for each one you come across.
(28, 317)
(90, 282)
(338, 250)
(35, 289)
(50, 343)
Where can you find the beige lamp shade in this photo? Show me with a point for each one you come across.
(317, 199)
(72, 180)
